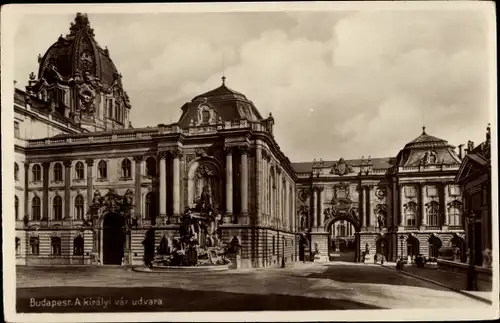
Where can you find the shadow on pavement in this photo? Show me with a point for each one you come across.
(31, 300)
(370, 275)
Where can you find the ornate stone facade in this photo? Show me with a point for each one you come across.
(84, 176)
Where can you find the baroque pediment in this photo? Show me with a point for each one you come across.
(341, 168)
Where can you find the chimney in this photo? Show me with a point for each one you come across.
(460, 151)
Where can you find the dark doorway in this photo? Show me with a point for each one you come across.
(413, 247)
(113, 239)
(302, 248)
(382, 248)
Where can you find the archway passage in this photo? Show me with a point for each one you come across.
(434, 246)
(113, 239)
(413, 247)
(343, 240)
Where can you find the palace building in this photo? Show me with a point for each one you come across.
(74, 146)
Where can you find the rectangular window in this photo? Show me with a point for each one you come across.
(454, 190)
(432, 191)
(410, 191)
(17, 133)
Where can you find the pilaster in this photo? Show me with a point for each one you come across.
(67, 188)
(229, 185)
(45, 213)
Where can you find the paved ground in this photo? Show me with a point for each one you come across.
(307, 286)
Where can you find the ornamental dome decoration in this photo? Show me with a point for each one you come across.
(77, 62)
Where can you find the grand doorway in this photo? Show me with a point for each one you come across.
(113, 239)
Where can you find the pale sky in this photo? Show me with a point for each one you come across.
(339, 84)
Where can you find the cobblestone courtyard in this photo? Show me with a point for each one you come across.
(307, 286)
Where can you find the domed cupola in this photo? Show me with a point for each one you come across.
(79, 79)
(427, 150)
(217, 106)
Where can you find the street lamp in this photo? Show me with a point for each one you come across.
(471, 275)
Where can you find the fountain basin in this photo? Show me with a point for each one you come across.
(183, 269)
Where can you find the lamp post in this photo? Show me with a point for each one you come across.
(471, 274)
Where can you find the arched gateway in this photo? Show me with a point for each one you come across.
(346, 240)
(113, 239)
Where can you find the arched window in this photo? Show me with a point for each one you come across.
(35, 208)
(79, 207)
(34, 245)
(79, 170)
(57, 206)
(37, 173)
(110, 108)
(102, 168)
(58, 172)
(16, 206)
(126, 168)
(18, 246)
(16, 171)
(454, 214)
(78, 246)
(55, 243)
(433, 214)
(150, 167)
(411, 211)
(150, 205)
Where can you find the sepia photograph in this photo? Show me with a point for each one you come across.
(331, 161)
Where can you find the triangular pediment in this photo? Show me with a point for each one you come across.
(470, 164)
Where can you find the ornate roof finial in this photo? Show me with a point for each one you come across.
(488, 132)
(423, 130)
(223, 79)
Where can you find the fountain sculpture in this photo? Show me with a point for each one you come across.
(197, 242)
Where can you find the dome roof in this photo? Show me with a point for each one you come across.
(78, 53)
(426, 141)
(222, 93)
(427, 149)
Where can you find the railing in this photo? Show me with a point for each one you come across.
(411, 228)
(433, 227)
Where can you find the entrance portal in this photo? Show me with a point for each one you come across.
(113, 239)
(342, 240)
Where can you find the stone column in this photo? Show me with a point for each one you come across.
(422, 204)
(45, 214)
(294, 213)
(401, 205)
(26, 190)
(258, 181)
(90, 163)
(445, 206)
(138, 202)
(363, 206)
(394, 197)
(176, 191)
(321, 208)
(277, 203)
(163, 185)
(67, 189)
(312, 212)
(244, 180)
(229, 184)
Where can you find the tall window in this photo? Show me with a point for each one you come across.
(433, 214)
(16, 206)
(274, 245)
(37, 173)
(78, 246)
(35, 208)
(79, 207)
(17, 132)
(34, 245)
(80, 170)
(126, 168)
(18, 246)
(150, 205)
(110, 108)
(102, 168)
(57, 205)
(454, 215)
(55, 243)
(411, 211)
(150, 167)
(16, 171)
(58, 172)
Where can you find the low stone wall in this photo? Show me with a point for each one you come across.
(484, 275)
